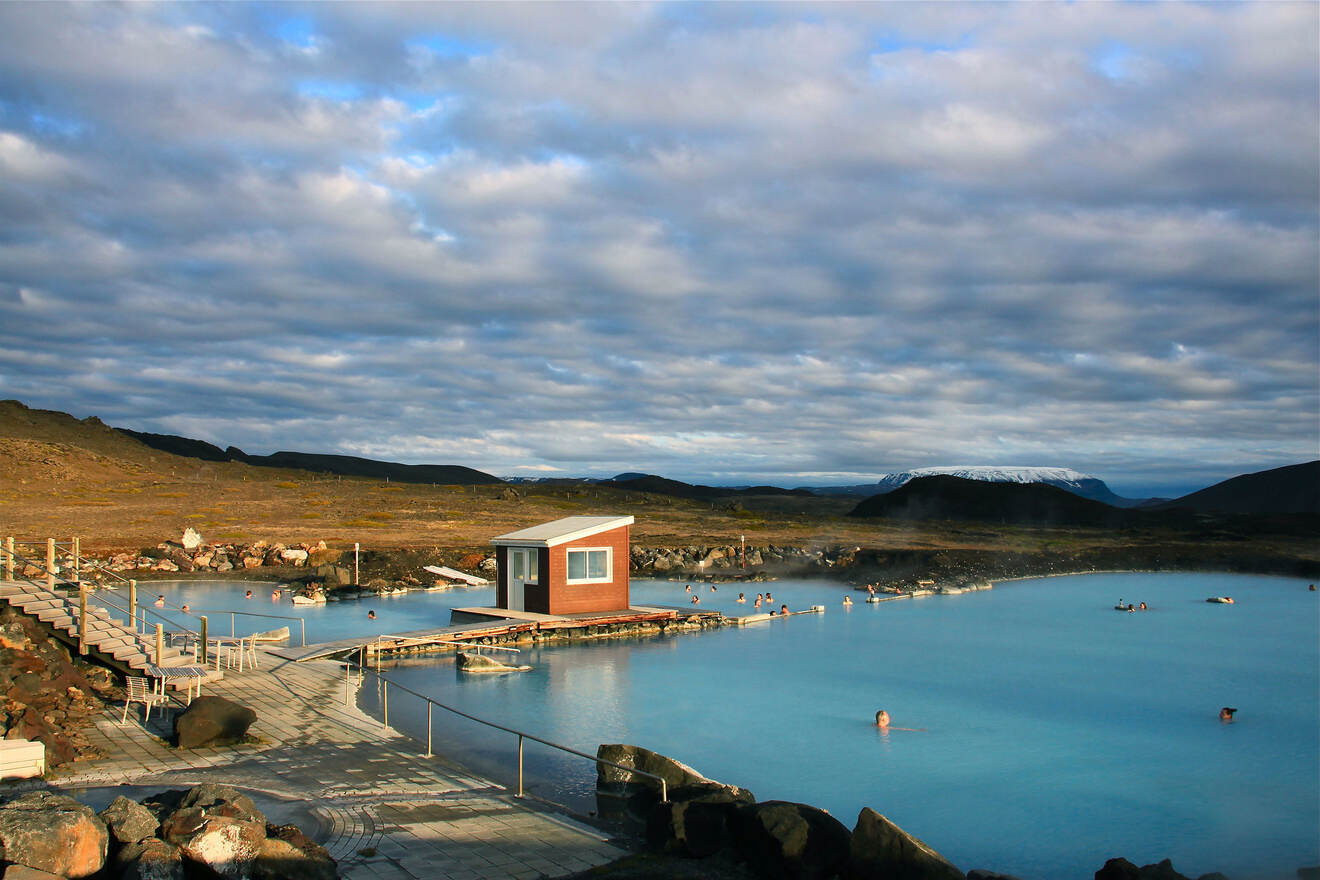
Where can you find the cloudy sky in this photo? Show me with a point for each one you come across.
(803, 244)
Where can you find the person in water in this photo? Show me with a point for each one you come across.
(1142, 606)
(185, 609)
(160, 602)
(371, 615)
(249, 595)
(1226, 714)
(696, 600)
(742, 598)
(847, 600)
(688, 588)
(783, 609)
(275, 595)
(881, 719)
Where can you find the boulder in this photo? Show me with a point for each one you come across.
(293, 556)
(698, 820)
(677, 775)
(53, 833)
(212, 721)
(150, 859)
(779, 839)
(879, 848)
(322, 556)
(190, 540)
(288, 854)
(1122, 869)
(128, 821)
(23, 872)
(182, 559)
(218, 827)
(978, 874)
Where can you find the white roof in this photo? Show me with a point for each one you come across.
(561, 531)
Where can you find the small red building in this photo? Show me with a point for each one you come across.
(570, 565)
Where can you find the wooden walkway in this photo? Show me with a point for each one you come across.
(483, 623)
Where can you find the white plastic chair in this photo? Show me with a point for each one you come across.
(142, 690)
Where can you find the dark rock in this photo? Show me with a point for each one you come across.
(676, 775)
(128, 821)
(879, 848)
(979, 874)
(786, 840)
(288, 854)
(212, 721)
(698, 821)
(53, 833)
(1122, 869)
(150, 859)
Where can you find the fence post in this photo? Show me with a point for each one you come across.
(520, 764)
(385, 703)
(9, 558)
(77, 565)
(428, 728)
(50, 564)
(82, 618)
(203, 639)
(132, 603)
(160, 642)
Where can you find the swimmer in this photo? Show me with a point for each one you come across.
(783, 609)
(1226, 714)
(1143, 606)
(160, 602)
(757, 603)
(371, 615)
(870, 588)
(847, 600)
(1311, 587)
(881, 719)
(1130, 608)
(770, 600)
(275, 595)
(185, 609)
(712, 588)
(688, 588)
(696, 600)
(249, 595)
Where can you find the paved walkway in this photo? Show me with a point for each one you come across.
(368, 787)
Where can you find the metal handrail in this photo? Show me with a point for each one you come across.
(385, 720)
(301, 620)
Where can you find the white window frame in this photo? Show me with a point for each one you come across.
(609, 565)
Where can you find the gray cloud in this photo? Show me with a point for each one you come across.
(722, 242)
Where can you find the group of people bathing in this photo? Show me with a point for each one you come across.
(767, 599)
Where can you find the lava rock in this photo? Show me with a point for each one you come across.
(879, 848)
(53, 833)
(212, 721)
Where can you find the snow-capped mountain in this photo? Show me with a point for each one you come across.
(1068, 479)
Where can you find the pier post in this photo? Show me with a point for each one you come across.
(132, 603)
(82, 618)
(9, 558)
(160, 642)
(50, 564)
(203, 639)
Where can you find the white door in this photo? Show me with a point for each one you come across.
(522, 571)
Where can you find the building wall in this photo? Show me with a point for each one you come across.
(568, 598)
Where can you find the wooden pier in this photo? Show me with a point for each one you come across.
(488, 626)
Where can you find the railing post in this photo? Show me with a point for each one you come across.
(160, 642)
(203, 639)
(82, 618)
(348, 670)
(520, 765)
(231, 624)
(50, 563)
(132, 603)
(9, 558)
(385, 703)
(77, 565)
(428, 728)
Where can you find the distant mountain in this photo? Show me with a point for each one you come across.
(344, 465)
(664, 486)
(945, 497)
(1291, 489)
(1067, 479)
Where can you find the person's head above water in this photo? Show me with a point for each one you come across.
(881, 718)
(1226, 713)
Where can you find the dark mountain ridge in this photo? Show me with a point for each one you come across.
(343, 465)
(945, 497)
(1291, 489)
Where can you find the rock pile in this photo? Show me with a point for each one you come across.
(191, 553)
(45, 694)
(722, 559)
(704, 818)
(209, 830)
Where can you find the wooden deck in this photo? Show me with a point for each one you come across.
(476, 623)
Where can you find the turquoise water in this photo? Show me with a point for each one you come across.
(1055, 732)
